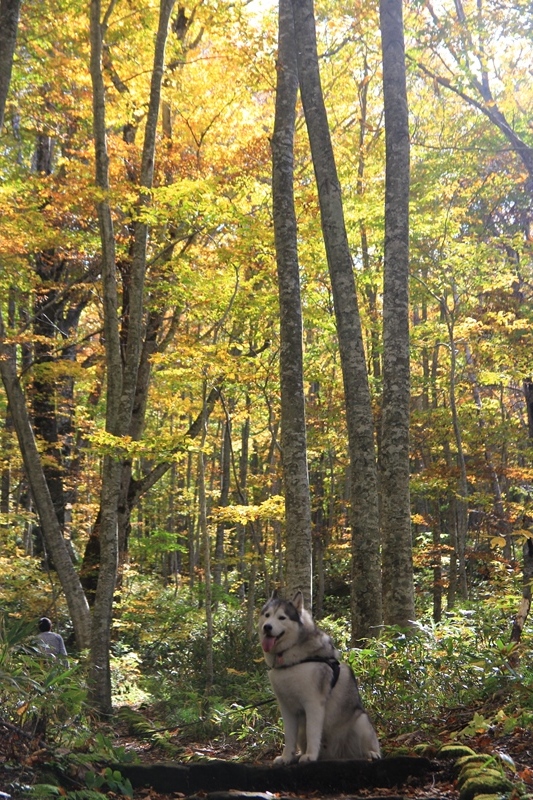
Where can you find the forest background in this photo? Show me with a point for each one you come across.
(115, 187)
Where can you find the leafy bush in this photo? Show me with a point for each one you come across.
(36, 691)
(428, 678)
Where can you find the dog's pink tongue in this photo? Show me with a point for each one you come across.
(268, 643)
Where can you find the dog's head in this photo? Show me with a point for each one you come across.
(280, 622)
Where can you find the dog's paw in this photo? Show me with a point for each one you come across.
(306, 758)
(283, 761)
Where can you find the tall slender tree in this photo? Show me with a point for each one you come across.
(9, 20)
(398, 588)
(122, 348)
(293, 425)
(366, 567)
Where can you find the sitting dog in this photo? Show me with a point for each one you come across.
(323, 716)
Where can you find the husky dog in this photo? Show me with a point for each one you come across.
(323, 716)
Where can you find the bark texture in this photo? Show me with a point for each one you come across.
(293, 427)
(366, 576)
(398, 591)
(9, 20)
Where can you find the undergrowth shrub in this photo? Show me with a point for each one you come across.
(434, 676)
(37, 692)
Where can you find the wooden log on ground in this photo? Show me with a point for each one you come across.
(322, 776)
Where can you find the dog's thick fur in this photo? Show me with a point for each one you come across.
(323, 716)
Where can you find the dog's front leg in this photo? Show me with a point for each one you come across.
(290, 728)
(314, 725)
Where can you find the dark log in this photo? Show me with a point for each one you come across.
(234, 794)
(321, 776)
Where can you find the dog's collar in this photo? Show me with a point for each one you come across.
(331, 662)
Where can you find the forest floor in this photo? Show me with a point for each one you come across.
(23, 760)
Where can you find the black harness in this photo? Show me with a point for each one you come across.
(331, 662)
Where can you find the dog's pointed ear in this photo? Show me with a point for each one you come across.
(298, 601)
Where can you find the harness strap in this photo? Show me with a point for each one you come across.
(331, 662)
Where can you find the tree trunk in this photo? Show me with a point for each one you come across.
(293, 424)
(242, 497)
(460, 504)
(6, 446)
(525, 603)
(366, 568)
(223, 501)
(206, 549)
(437, 568)
(527, 572)
(122, 348)
(371, 289)
(6, 442)
(320, 520)
(398, 586)
(74, 594)
(9, 20)
(528, 394)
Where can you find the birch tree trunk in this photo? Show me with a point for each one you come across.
(366, 568)
(122, 357)
(398, 589)
(293, 427)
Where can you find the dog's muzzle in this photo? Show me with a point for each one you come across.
(269, 640)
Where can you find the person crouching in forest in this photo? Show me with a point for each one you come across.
(51, 644)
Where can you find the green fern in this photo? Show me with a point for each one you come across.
(136, 722)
